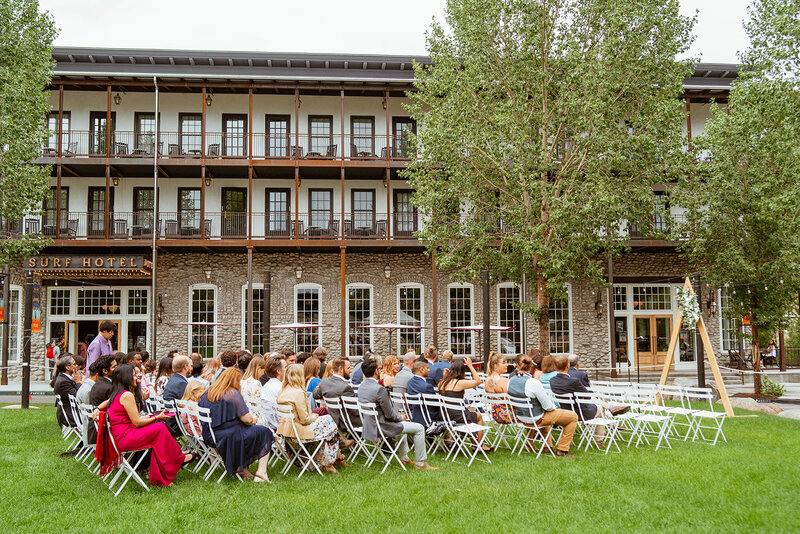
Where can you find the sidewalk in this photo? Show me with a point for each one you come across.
(41, 392)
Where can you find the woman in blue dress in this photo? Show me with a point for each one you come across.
(239, 440)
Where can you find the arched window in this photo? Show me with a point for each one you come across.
(359, 314)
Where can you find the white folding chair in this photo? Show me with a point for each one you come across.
(349, 408)
(466, 435)
(503, 432)
(71, 434)
(646, 421)
(681, 415)
(124, 468)
(298, 445)
(437, 440)
(212, 455)
(582, 402)
(714, 418)
(153, 404)
(384, 445)
(522, 413)
(399, 401)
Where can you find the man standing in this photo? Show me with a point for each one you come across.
(100, 345)
(389, 420)
(406, 372)
(337, 386)
(176, 385)
(575, 372)
(544, 412)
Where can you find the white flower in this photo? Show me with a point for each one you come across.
(687, 304)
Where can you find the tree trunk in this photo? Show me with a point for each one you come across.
(544, 316)
(756, 358)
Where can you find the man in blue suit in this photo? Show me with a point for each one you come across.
(181, 371)
(418, 384)
(437, 369)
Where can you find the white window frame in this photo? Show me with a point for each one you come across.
(308, 285)
(192, 288)
(421, 288)
(568, 291)
(471, 313)
(256, 286)
(360, 285)
(516, 286)
(7, 311)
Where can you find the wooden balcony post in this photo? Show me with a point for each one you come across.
(250, 168)
(58, 167)
(389, 144)
(107, 199)
(202, 168)
(689, 122)
(343, 302)
(295, 152)
(341, 173)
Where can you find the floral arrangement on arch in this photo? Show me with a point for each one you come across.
(687, 304)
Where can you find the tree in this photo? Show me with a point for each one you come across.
(543, 126)
(743, 223)
(26, 66)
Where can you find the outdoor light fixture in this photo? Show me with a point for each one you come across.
(115, 180)
(387, 271)
(117, 99)
(207, 272)
(598, 307)
(384, 102)
(208, 100)
(160, 308)
(208, 181)
(712, 307)
(298, 271)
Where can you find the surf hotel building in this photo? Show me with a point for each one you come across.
(287, 166)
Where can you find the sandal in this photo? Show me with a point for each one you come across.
(191, 457)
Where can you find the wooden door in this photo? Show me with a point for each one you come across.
(115, 340)
(651, 334)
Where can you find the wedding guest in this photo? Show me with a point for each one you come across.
(391, 366)
(194, 390)
(438, 369)
(322, 355)
(163, 375)
(181, 370)
(210, 370)
(311, 373)
(496, 383)
(100, 345)
(239, 440)
(269, 391)
(453, 386)
(548, 369)
(251, 382)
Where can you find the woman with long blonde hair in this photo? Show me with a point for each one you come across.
(497, 383)
(309, 425)
(238, 439)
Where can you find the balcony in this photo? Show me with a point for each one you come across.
(212, 227)
(219, 145)
(663, 228)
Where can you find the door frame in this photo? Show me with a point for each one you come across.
(653, 337)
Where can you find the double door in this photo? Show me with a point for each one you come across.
(651, 335)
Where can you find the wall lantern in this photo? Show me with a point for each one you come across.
(117, 99)
(115, 180)
(387, 271)
(209, 100)
(298, 271)
(207, 272)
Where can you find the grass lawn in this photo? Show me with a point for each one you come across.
(750, 484)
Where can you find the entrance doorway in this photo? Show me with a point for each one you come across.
(652, 333)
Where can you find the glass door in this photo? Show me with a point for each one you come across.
(621, 340)
(97, 209)
(98, 124)
(652, 339)
(278, 213)
(234, 211)
(234, 130)
(405, 213)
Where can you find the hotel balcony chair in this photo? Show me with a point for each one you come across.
(331, 152)
(348, 227)
(297, 152)
(71, 149)
(32, 226)
(380, 227)
(72, 227)
(300, 230)
(121, 149)
(207, 227)
(170, 227)
(333, 228)
(120, 228)
(213, 150)
(174, 150)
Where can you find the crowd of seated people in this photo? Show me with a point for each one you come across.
(237, 387)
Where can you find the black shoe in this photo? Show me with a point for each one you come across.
(73, 452)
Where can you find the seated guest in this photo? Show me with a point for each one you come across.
(132, 432)
(309, 425)
(82, 396)
(391, 366)
(400, 381)
(64, 384)
(537, 365)
(453, 386)
(389, 420)
(251, 382)
(243, 360)
(227, 360)
(197, 371)
(148, 380)
(437, 369)
(80, 362)
(210, 370)
(311, 373)
(548, 369)
(417, 385)
(101, 390)
(302, 357)
(134, 358)
(181, 370)
(163, 375)
(356, 377)
(338, 386)
(431, 357)
(289, 356)
(544, 411)
(194, 390)
(274, 370)
(575, 372)
(497, 383)
(239, 440)
(328, 372)
(322, 355)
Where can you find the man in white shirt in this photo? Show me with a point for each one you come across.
(276, 365)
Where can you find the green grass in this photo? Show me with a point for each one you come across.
(748, 485)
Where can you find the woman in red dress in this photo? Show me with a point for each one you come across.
(133, 432)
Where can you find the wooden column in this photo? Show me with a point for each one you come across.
(435, 300)
(342, 171)
(782, 351)
(295, 156)
(249, 330)
(107, 198)
(388, 175)
(250, 167)
(203, 167)
(611, 327)
(343, 302)
(60, 149)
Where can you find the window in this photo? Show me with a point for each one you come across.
(307, 309)
(52, 131)
(258, 317)
(620, 298)
(402, 128)
(144, 125)
(190, 132)
(509, 315)
(137, 302)
(661, 219)
(405, 213)
(652, 298)
(60, 301)
(359, 313)
(202, 315)
(49, 211)
(234, 135)
(320, 203)
(96, 217)
(363, 203)
(278, 211)
(363, 136)
(320, 131)
(731, 325)
(12, 312)
(410, 312)
(189, 210)
(459, 313)
(278, 136)
(99, 301)
(98, 134)
(560, 326)
(143, 205)
(234, 211)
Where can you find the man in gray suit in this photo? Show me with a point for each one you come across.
(389, 420)
(336, 386)
(400, 383)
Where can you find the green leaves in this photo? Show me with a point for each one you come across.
(26, 66)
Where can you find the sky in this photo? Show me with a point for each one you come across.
(346, 26)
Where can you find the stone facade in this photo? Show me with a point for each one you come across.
(178, 272)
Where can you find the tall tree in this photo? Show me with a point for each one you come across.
(543, 126)
(26, 66)
(743, 222)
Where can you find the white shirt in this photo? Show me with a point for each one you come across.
(535, 390)
(269, 394)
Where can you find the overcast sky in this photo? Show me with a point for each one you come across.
(346, 26)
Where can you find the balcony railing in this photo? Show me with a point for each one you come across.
(660, 227)
(126, 144)
(191, 225)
